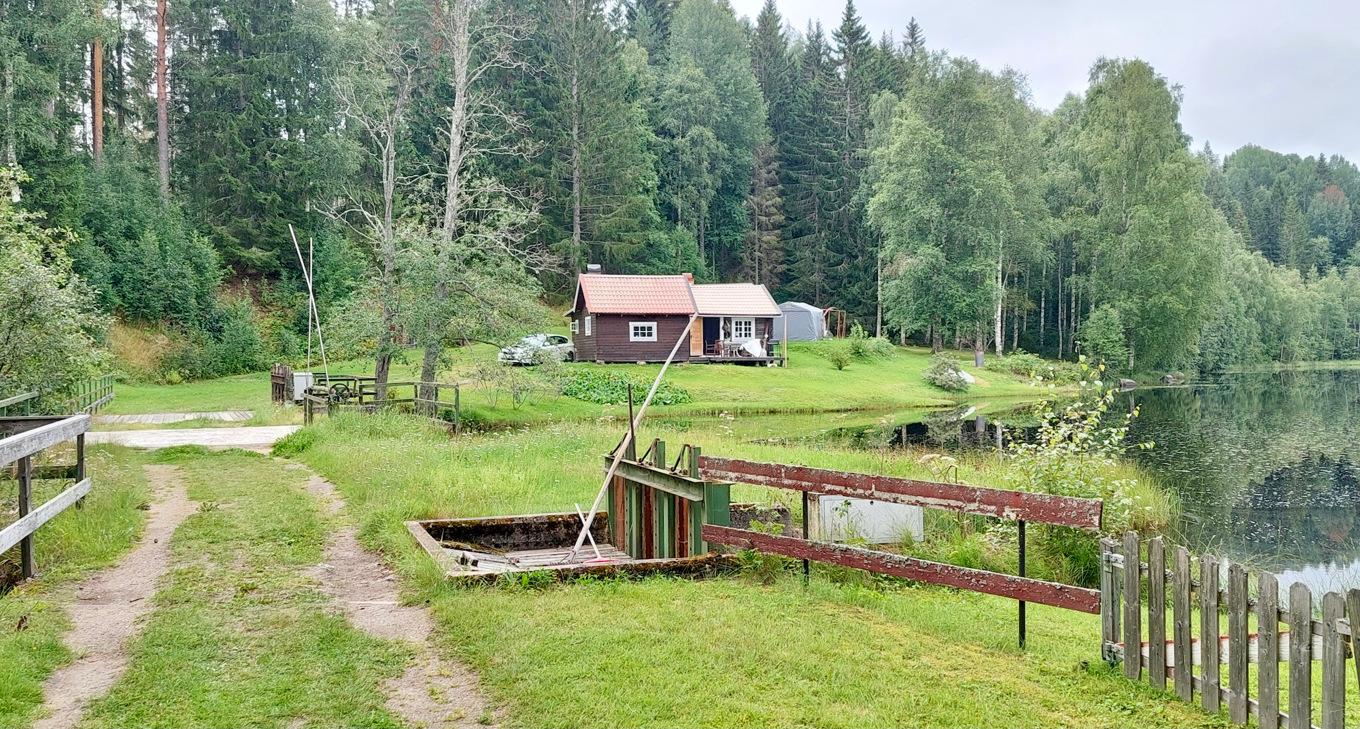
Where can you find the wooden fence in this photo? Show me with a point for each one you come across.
(1127, 619)
(87, 397)
(351, 393)
(1067, 511)
(21, 439)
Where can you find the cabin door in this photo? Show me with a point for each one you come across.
(712, 332)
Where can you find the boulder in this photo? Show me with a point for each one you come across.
(1173, 378)
(1127, 384)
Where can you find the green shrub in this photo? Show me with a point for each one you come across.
(1024, 364)
(1101, 338)
(835, 351)
(611, 388)
(863, 346)
(945, 374)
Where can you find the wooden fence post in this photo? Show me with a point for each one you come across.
(1180, 605)
(1300, 657)
(1133, 609)
(1333, 663)
(1267, 651)
(25, 505)
(1109, 634)
(1237, 644)
(1353, 616)
(1208, 633)
(1157, 613)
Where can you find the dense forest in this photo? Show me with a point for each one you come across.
(449, 164)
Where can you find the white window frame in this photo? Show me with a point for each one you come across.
(588, 318)
(747, 320)
(633, 335)
(575, 326)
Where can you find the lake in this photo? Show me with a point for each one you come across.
(1266, 467)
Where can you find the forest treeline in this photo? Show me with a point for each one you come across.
(449, 162)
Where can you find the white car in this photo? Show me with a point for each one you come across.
(536, 348)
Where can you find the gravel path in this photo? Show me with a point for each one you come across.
(226, 416)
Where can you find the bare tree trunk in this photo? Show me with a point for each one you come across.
(388, 246)
(878, 292)
(979, 345)
(998, 321)
(162, 104)
(1043, 303)
(97, 96)
(576, 175)
(460, 51)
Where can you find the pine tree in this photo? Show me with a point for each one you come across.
(764, 254)
(809, 163)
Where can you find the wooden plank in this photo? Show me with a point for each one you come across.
(1208, 632)
(1109, 635)
(1184, 671)
(1157, 613)
(1267, 651)
(1042, 508)
(1237, 644)
(16, 399)
(659, 478)
(1300, 662)
(1333, 663)
(1353, 617)
(26, 525)
(648, 522)
(1133, 607)
(993, 583)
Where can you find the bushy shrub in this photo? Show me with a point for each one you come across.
(611, 388)
(233, 347)
(835, 351)
(863, 346)
(945, 374)
(1101, 338)
(1024, 364)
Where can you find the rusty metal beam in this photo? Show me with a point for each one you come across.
(993, 583)
(1066, 511)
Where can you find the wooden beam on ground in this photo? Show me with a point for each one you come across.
(993, 583)
(44, 436)
(29, 523)
(1041, 508)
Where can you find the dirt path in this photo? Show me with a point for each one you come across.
(108, 605)
(258, 437)
(433, 692)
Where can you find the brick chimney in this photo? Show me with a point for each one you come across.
(689, 277)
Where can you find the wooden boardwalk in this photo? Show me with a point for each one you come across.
(226, 416)
(261, 437)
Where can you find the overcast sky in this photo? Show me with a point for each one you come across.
(1284, 75)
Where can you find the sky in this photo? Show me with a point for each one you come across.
(1282, 75)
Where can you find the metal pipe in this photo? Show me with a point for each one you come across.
(1021, 523)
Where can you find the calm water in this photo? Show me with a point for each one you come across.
(1267, 469)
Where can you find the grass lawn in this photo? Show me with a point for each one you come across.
(66, 548)
(809, 385)
(847, 651)
(240, 635)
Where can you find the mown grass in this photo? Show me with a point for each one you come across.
(809, 385)
(76, 542)
(846, 651)
(241, 635)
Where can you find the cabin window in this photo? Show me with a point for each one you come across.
(743, 330)
(588, 325)
(575, 326)
(642, 331)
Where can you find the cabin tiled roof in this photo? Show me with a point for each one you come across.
(616, 294)
(734, 299)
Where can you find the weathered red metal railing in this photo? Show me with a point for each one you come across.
(1066, 511)
(1202, 593)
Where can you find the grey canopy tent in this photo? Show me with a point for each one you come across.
(805, 322)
